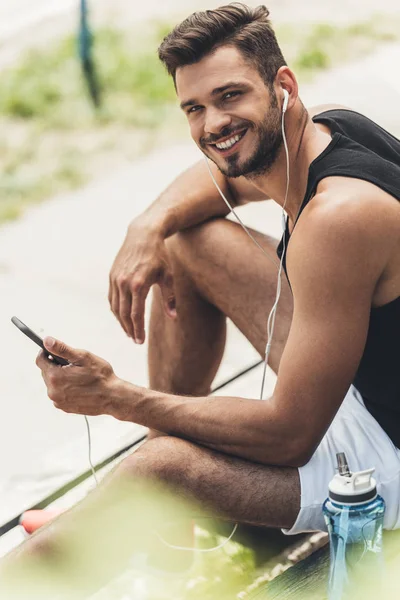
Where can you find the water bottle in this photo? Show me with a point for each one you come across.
(354, 513)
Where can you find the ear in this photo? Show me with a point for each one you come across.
(286, 80)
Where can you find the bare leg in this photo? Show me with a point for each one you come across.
(218, 273)
(184, 355)
(226, 486)
(96, 537)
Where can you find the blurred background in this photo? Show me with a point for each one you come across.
(76, 168)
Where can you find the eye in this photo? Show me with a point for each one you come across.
(193, 109)
(230, 95)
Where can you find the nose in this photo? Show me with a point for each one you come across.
(215, 121)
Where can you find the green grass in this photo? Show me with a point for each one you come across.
(52, 138)
(48, 87)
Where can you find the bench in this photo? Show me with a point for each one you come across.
(308, 578)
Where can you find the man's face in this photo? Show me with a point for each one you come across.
(233, 117)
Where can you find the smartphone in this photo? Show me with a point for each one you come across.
(38, 340)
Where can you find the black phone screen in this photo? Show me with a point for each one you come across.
(38, 340)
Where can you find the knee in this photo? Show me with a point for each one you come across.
(187, 244)
(163, 459)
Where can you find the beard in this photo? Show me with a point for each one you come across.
(270, 139)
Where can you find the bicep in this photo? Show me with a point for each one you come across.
(237, 190)
(323, 350)
(332, 291)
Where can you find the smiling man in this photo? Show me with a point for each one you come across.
(243, 154)
(337, 327)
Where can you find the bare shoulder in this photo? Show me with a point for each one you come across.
(352, 204)
(350, 228)
(244, 191)
(320, 108)
(357, 202)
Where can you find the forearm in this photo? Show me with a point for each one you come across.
(249, 429)
(192, 198)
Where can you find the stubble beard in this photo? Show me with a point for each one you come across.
(270, 140)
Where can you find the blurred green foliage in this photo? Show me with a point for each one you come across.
(52, 138)
(110, 545)
(321, 45)
(47, 85)
(222, 573)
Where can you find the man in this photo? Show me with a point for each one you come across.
(266, 463)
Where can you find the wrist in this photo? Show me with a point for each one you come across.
(150, 224)
(121, 397)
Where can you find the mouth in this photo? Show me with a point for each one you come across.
(229, 145)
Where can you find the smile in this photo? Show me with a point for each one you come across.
(229, 143)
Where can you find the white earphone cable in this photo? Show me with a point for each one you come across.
(90, 450)
(272, 314)
(237, 216)
(199, 550)
(270, 323)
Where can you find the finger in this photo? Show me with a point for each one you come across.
(48, 369)
(120, 290)
(168, 294)
(58, 348)
(137, 313)
(110, 291)
(125, 301)
(114, 303)
(40, 359)
(43, 362)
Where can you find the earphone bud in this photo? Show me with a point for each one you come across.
(285, 100)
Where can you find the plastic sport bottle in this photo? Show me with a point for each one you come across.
(354, 513)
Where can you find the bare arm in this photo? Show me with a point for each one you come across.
(333, 289)
(143, 261)
(192, 198)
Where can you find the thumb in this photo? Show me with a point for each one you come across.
(62, 350)
(168, 294)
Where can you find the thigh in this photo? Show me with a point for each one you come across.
(225, 486)
(234, 275)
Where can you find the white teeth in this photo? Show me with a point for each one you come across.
(228, 143)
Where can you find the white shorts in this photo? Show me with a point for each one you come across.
(355, 432)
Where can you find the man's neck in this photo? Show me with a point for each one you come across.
(305, 142)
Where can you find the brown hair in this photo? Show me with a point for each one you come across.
(248, 29)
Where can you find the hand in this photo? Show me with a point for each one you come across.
(84, 386)
(141, 262)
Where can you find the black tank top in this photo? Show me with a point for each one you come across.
(361, 149)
